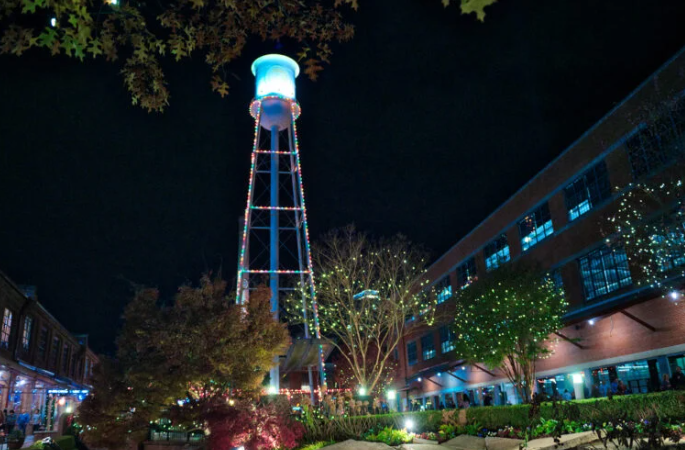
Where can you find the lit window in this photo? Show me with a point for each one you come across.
(496, 253)
(446, 339)
(603, 271)
(26, 335)
(427, 347)
(466, 273)
(668, 248)
(6, 329)
(535, 227)
(412, 358)
(587, 191)
(443, 289)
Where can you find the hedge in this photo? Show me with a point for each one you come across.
(666, 405)
(354, 427)
(66, 442)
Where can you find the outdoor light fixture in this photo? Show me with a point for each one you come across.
(53, 22)
(391, 395)
(69, 409)
(419, 379)
(675, 295)
(362, 391)
(231, 402)
(408, 424)
(463, 368)
(272, 390)
(179, 402)
(439, 374)
(591, 321)
(577, 378)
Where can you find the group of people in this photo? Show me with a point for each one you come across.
(677, 381)
(9, 421)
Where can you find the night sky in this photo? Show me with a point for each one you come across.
(423, 124)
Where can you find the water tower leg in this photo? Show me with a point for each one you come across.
(274, 245)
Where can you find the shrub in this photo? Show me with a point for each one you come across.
(337, 428)
(317, 445)
(390, 436)
(66, 442)
(665, 405)
(255, 427)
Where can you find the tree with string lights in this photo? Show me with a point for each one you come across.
(504, 321)
(650, 225)
(367, 291)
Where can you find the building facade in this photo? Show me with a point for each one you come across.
(44, 369)
(614, 328)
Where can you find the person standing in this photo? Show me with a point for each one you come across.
(665, 383)
(11, 421)
(36, 420)
(566, 396)
(678, 379)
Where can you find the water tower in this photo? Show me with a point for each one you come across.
(275, 238)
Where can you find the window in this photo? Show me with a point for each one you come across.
(446, 339)
(42, 342)
(427, 347)
(54, 352)
(26, 334)
(603, 271)
(66, 356)
(6, 329)
(411, 353)
(668, 248)
(660, 142)
(535, 227)
(496, 252)
(443, 289)
(555, 277)
(466, 273)
(587, 191)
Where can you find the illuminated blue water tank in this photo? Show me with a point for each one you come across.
(275, 75)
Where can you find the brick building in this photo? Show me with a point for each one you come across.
(42, 365)
(622, 331)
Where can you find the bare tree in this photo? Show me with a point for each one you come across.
(368, 292)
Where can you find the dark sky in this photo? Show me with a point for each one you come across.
(424, 124)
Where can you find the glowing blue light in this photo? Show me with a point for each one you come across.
(275, 75)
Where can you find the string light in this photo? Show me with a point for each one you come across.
(256, 112)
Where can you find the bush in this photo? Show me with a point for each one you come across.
(390, 436)
(665, 405)
(66, 442)
(317, 445)
(320, 428)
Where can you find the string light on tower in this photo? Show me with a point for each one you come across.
(275, 233)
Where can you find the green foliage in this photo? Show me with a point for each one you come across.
(504, 320)
(650, 225)
(390, 436)
(476, 7)
(15, 435)
(666, 405)
(66, 442)
(198, 349)
(352, 427)
(317, 445)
